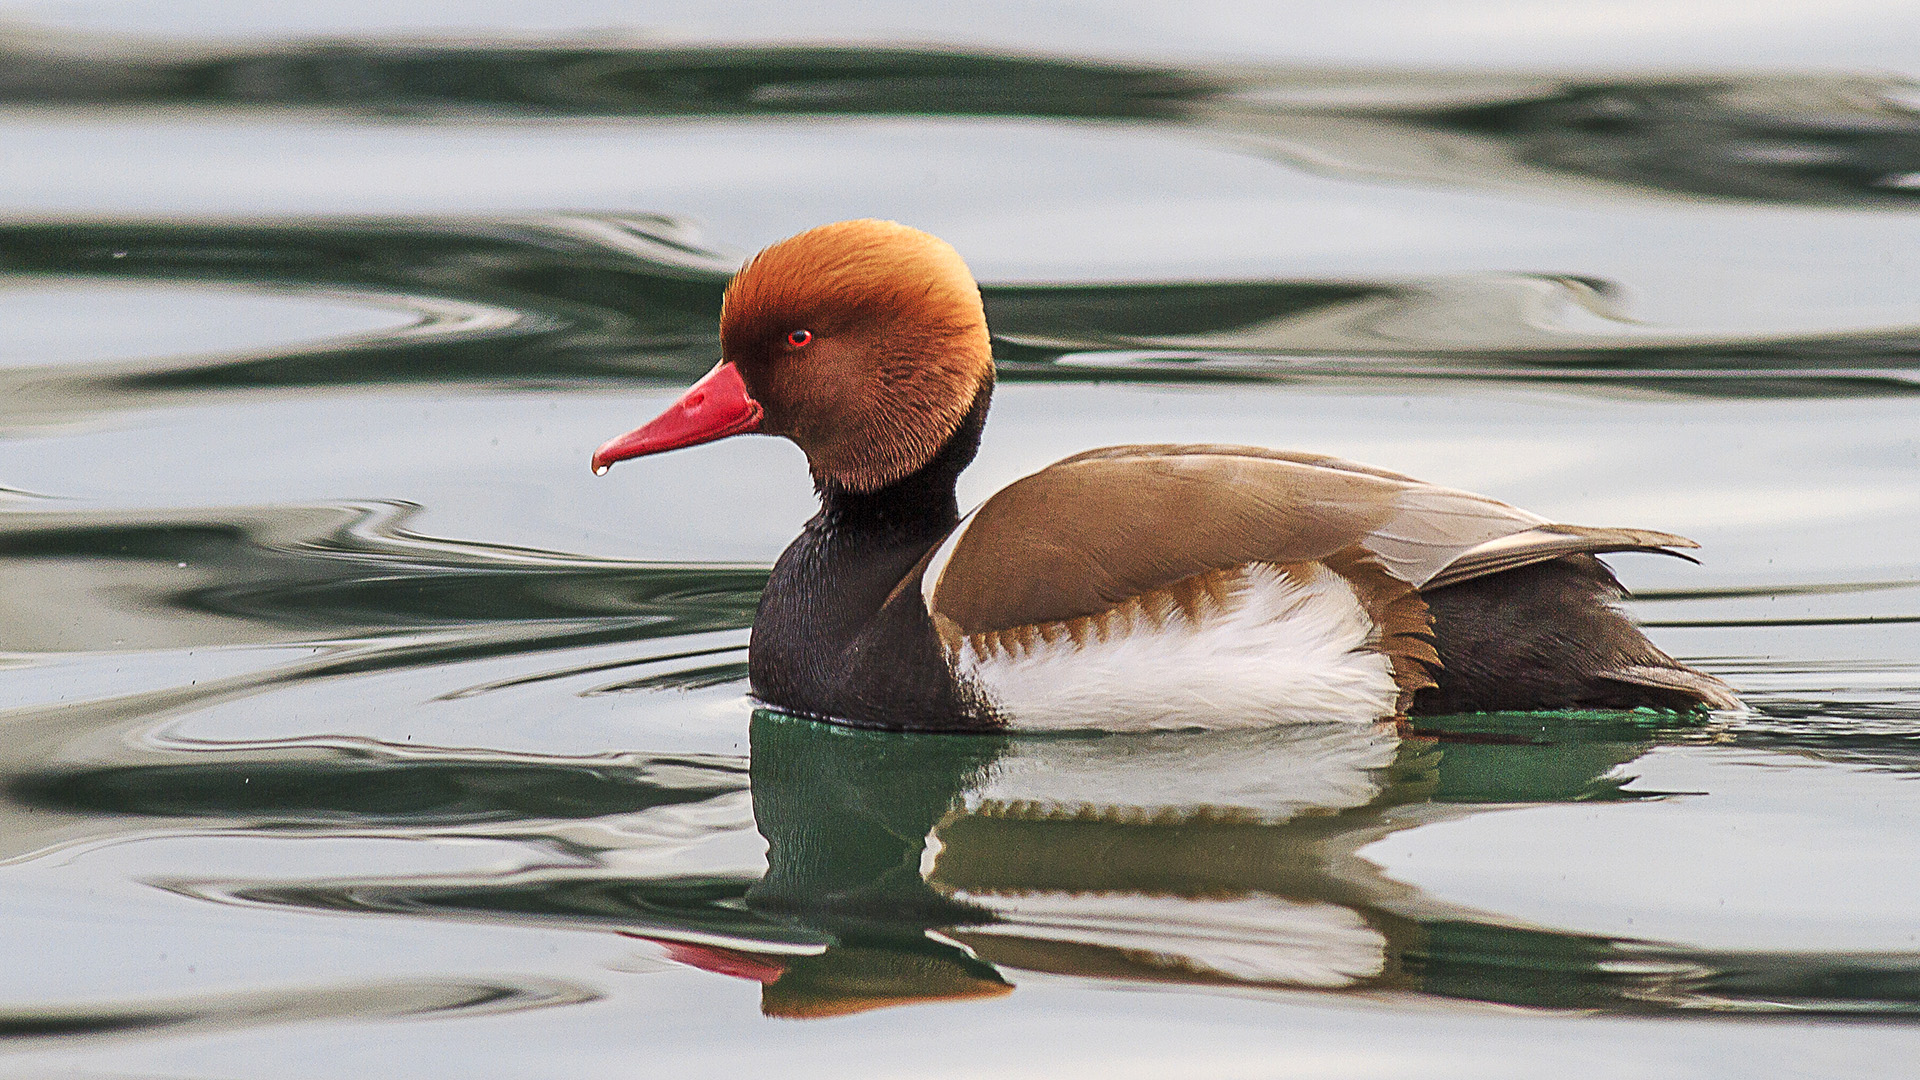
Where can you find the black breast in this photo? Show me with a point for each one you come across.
(837, 636)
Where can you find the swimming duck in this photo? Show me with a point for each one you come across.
(1124, 588)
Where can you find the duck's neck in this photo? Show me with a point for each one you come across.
(920, 501)
(832, 581)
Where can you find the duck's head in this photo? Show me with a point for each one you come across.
(864, 342)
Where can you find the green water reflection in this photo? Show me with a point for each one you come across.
(905, 868)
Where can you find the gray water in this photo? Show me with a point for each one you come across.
(352, 728)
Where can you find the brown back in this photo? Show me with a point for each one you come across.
(1092, 531)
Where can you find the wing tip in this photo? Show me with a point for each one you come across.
(1705, 689)
(1647, 538)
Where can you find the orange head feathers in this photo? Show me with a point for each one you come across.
(865, 343)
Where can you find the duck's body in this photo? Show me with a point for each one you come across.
(1123, 588)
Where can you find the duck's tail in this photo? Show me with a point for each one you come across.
(1547, 636)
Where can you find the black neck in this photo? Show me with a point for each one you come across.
(826, 640)
(921, 500)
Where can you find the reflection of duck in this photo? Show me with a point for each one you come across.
(1217, 874)
(897, 867)
(1129, 587)
(935, 864)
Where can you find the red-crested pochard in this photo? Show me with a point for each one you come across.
(1123, 588)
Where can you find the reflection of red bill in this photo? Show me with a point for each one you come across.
(741, 965)
(841, 981)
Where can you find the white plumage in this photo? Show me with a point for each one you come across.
(1283, 648)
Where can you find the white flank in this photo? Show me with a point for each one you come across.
(1279, 651)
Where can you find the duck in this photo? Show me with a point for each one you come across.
(1126, 588)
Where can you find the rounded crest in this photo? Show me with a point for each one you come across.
(865, 342)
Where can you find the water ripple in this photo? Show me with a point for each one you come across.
(1822, 140)
(533, 302)
(270, 575)
(1039, 856)
(398, 999)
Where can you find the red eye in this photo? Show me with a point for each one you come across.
(799, 338)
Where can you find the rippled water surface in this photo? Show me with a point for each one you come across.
(349, 727)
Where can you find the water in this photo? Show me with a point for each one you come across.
(352, 727)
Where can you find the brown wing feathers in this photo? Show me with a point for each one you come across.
(1546, 542)
(1063, 550)
(1084, 535)
(1188, 599)
(1402, 623)
(1100, 527)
